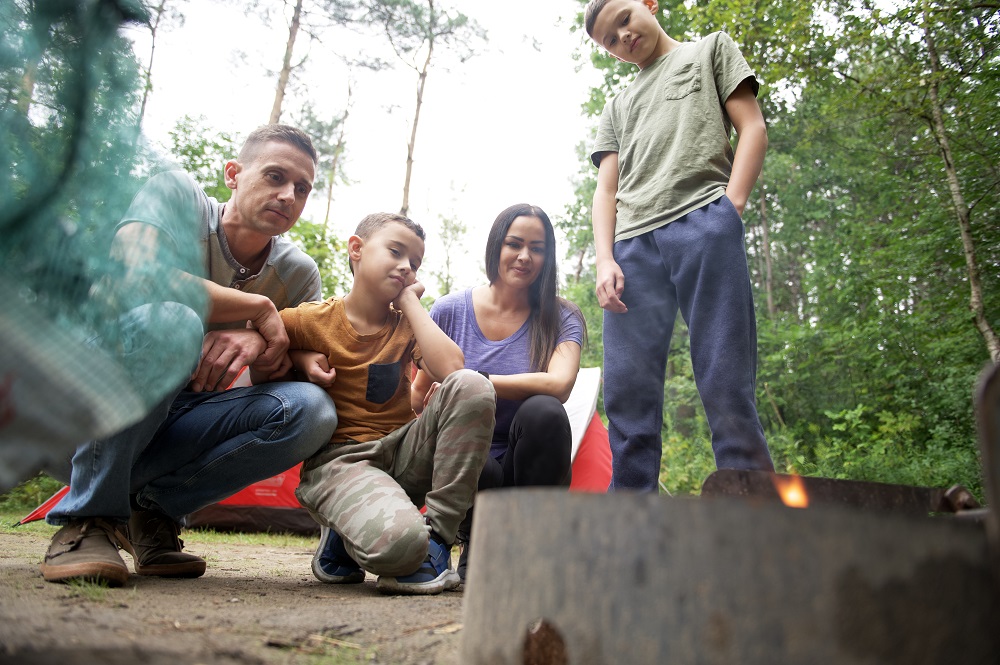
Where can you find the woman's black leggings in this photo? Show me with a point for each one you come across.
(540, 440)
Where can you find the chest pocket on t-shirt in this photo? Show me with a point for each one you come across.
(683, 82)
(383, 381)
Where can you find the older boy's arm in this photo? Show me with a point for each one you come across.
(752, 132)
(610, 279)
(441, 356)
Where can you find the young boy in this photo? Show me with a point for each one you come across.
(366, 486)
(668, 234)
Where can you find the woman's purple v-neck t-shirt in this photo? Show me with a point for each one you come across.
(456, 317)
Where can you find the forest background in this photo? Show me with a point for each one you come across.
(872, 234)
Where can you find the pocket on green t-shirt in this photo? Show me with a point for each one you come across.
(683, 82)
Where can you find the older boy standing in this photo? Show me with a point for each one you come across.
(366, 486)
(668, 235)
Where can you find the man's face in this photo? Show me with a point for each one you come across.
(628, 30)
(271, 189)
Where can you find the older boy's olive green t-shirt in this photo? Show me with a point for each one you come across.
(671, 132)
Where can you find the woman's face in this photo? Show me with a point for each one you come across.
(522, 254)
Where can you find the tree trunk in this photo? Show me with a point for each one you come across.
(337, 150)
(958, 200)
(158, 14)
(421, 81)
(286, 64)
(765, 241)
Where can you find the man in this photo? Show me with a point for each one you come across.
(203, 443)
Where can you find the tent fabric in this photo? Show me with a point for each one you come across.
(270, 505)
(592, 466)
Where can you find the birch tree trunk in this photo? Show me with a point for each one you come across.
(286, 64)
(958, 200)
(421, 81)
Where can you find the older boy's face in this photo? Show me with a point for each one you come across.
(390, 258)
(628, 30)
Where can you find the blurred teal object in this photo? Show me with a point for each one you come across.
(87, 346)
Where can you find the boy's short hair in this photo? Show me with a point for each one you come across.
(283, 133)
(594, 8)
(374, 222)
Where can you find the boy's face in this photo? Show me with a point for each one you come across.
(628, 30)
(270, 191)
(387, 261)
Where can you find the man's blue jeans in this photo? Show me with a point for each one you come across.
(194, 449)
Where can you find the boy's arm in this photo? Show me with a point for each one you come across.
(421, 391)
(751, 129)
(441, 356)
(610, 280)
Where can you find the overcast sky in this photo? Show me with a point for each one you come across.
(500, 128)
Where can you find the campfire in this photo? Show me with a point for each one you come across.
(761, 569)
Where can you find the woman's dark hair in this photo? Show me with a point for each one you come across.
(546, 316)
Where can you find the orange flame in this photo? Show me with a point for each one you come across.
(792, 491)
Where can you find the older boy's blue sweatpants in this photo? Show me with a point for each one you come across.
(696, 264)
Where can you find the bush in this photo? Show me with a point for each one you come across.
(28, 495)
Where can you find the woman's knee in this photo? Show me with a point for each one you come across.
(542, 417)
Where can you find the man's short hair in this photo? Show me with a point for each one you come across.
(283, 133)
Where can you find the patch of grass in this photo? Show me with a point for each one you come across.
(8, 519)
(212, 537)
(95, 592)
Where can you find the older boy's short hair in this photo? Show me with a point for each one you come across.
(594, 8)
(282, 133)
(372, 223)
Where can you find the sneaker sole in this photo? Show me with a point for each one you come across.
(356, 577)
(112, 574)
(320, 574)
(447, 580)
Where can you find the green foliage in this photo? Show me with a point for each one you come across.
(203, 152)
(330, 255)
(30, 494)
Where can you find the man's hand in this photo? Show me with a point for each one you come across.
(223, 354)
(315, 367)
(273, 359)
(610, 284)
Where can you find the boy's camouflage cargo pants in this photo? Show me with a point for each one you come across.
(370, 493)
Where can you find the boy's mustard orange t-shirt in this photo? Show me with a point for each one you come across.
(372, 386)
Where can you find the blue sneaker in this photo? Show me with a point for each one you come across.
(332, 564)
(434, 575)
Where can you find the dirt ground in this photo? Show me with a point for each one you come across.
(256, 605)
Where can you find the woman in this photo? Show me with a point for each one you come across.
(527, 340)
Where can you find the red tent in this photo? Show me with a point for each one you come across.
(270, 505)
